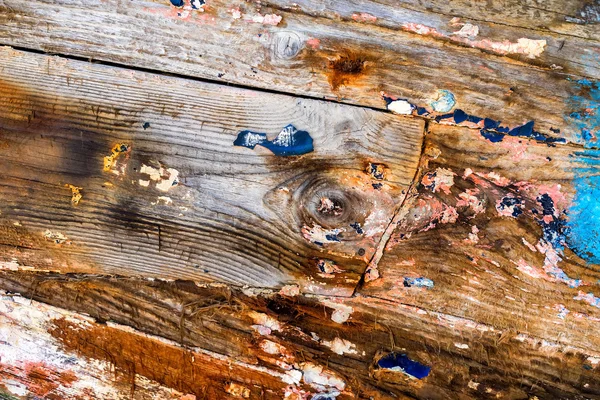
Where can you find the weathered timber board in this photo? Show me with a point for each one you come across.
(232, 214)
(467, 359)
(332, 50)
(489, 228)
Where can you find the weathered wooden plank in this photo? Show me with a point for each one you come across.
(282, 335)
(51, 353)
(318, 49)
(570, 18)
(165, 191)
(492, 234)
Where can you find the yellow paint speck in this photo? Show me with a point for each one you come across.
(109, 161)
(75, 194)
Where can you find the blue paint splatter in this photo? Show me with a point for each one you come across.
(554, 231)
(401, 362)
(177, 3)
(585, 114)
(492, 129)
(332, 238)
(418, 282)
(289, 142)
(492, 136)
(562, 311)
(356, 226)
(197, 4)
(507, 202)
(583, 227)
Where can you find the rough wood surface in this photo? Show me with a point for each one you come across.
(166, 236)
(467, 359)
(340, 50)
(233, 214)
(479, 230)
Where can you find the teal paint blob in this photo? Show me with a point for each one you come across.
(583, 230)
(583, 233)
(583, 227)
(584, 115)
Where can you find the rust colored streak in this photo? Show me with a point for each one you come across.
(346, 69)
(177, 368)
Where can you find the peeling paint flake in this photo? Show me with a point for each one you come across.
(320, 236)
(401, 363)
(340, 346)
(264, 324)
(165, 178)
(341, 312)
(75, 194)
(56, 237)
(110, 161)
(532, 48)
(289, 142)
(318, 377)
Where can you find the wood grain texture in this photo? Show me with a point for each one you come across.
(233, 214)
(485, 227)
(468, 360)
(311, 51)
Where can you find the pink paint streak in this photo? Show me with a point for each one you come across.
(530, 48)
(364, 17)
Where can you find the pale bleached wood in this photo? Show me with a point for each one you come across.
(215, 45)
(236, 215)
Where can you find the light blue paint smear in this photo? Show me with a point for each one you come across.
(583, 227)
(418, 282)
(445, 101)
(584, 114)
(588, 298)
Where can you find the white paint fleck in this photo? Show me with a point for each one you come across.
(144, 183)
(166, 200)
(461, 345)
(315, 376)
(268, 19)
(165, 178)
(264, 323)
(12, 265)
(292, 377)
(401, 107)
(270, 347)
(593, 360)
(473, 385)
(467, 30)
(290, 290)
(56, 237)
(340, 346)
(341, 312)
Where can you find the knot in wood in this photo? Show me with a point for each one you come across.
(286, 45)
(332, 206)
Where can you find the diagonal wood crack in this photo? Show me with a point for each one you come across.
(399, 213)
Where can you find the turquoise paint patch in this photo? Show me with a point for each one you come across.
(583, 227)
(584, 115)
